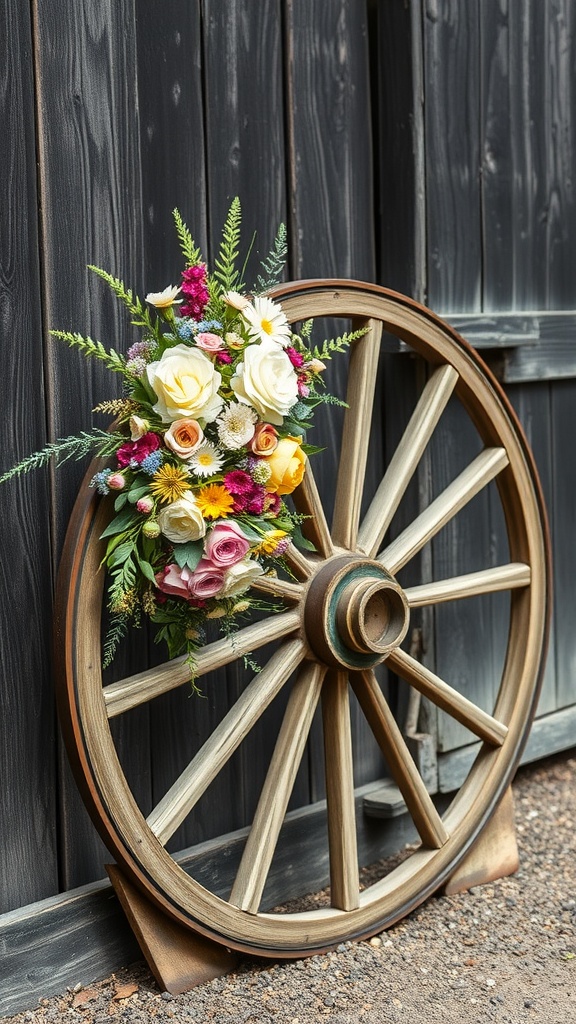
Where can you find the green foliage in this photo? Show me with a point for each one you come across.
(141, 316)
(116, 632)
(99, 442)
(328, 348)
(112, 359)
(190, 251)
(274, 263)
(225, 273)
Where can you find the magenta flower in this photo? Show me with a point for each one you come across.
(296, 358)
(195, 290)
(238, 483)
(136, 451)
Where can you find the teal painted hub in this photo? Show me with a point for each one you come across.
(356, 613)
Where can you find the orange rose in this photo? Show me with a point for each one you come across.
(265, 439)
(287, 463)
(184, 437)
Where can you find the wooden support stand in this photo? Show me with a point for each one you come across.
(177, 957)
(493, 855)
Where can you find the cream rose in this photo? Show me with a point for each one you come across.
(240, 577)
(267, 381)
(183, 437)
(287, 463)
(186, 384)
(182, 521)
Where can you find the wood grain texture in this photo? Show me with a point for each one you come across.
(28, 853)
(90, 192)
(344, 878)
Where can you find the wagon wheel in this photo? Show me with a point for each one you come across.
(345, 614)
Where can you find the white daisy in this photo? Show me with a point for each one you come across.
(164, 298)
(236, 425)
(267, 321)
(206, 460)
(236, 300)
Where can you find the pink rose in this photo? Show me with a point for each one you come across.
(174, 580)
(209, 342)
(226, 545)
(206, 581)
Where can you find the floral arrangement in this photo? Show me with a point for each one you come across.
(207, 442)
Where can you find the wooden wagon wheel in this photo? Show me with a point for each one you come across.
(345, 615)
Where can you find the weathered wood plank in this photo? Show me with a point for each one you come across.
(90, 193)
(28, 866)
(452, 90)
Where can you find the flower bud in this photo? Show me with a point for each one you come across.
(145, 505)
(151, 529)
(116, 482)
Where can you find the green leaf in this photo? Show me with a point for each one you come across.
(135, 493)
(121, 553)
(300, 540)
(311, 449)
(146, 569)
(121, 522)
(188, 555)
(120, 502)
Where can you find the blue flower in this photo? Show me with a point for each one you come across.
(184, 329)
(100, 481)
(151, 464)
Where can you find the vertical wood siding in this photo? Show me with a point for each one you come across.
(427, 145)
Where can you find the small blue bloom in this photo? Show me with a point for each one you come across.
(151, 464)
(208, 325)
(100, 481)
(184, 329)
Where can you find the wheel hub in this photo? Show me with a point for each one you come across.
(355, 614)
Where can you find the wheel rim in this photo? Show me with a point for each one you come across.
(345, 614)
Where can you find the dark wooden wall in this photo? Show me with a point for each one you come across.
(427, 145)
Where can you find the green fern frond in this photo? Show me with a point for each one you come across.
(117, 630)
(190, 251)
(338, 344)
(140, 313)
(225, 273)
(75, 447)
(274, 263)
(112, 359)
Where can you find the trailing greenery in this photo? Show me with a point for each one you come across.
(99, 442)
(141, 316)
(274, 263)
(94, 349)
(116, 632)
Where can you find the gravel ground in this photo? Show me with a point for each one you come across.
(502, 952)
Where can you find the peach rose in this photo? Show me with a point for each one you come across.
(183, 437)
(288, 463)
(265, 439)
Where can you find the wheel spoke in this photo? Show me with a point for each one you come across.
(216, 751)
(470, 482)
(308, 503)
(448, 699)
(418, 433)
(279, 588)
(355, 436)
(485, 581)
(137, 689)
(301, 566)
(261, 843)
(399, 759)
(344, 879)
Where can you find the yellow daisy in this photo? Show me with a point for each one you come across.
(270, 542)
(170, 483)
(214, 501)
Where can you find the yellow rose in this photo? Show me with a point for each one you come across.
(287, 463)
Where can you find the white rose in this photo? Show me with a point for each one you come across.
(240, 577)
(186, 385)
(267, 381)
(182, 521)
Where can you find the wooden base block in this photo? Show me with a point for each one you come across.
(494, 854)
(178, 958)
